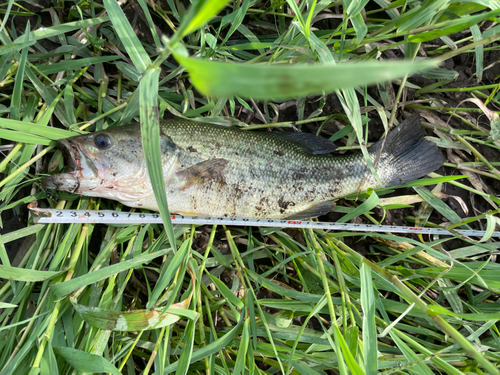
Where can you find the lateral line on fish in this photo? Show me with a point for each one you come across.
(49, 215)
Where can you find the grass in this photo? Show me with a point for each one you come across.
(163, 299)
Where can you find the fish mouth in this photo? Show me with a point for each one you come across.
(70, 153)
(81, 164)
(77, 158)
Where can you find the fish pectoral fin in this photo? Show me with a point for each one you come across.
(309, 142)
(314, 211)
(201, 172)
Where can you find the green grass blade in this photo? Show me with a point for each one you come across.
(67, 287)
(48, 94)
(490, 228)
(472, 317)
(75, 64)
(14, 47)
(239, 366)
(7, 13)
(69, 97)
(49, 32)
(298, 13)
(272, 82)
(350, 361)
(420, 15)
(439, 205)
(19, 82)
(145, 9)
(313, 311)
(20, 274)
(369, 327)
(226, 293)
(455, 27)
(359, 26)
(239, 15)
(86, 362)
(26, 129)
(23, 232)
(412, 358)
(127, 36)
(15, 136)
(167, 274)
(366, 206)
(198, 14)
(211, 348)
(187, 350)
(150, 132)
(476, 34)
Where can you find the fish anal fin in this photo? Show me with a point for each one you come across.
(309, 142)
(317, 210)
(201, 172)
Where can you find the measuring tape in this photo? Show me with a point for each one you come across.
(48, 215)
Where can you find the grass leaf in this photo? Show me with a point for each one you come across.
(127, 36)
(19, 274)
(65, 288)
(198, 14)
(150, 132)
(366, 206)
(369, 326)
(85, 362)
(281, 82)
(211, 348)
(136, 320)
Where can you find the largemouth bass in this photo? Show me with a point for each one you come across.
(219, 171)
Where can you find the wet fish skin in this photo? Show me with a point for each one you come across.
(219, 171)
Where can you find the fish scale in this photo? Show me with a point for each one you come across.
(212, 170)
(265, 175)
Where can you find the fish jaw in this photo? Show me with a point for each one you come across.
(84, 179)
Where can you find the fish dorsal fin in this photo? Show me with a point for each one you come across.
(309, 142)
(314, 211)
(201, 172)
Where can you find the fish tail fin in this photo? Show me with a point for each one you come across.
(407, 154)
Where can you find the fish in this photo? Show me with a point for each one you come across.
(218, 171)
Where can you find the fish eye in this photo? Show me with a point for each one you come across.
(102, 141)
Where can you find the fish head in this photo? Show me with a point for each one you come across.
(108, 164)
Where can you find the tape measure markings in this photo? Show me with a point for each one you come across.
(43, 216)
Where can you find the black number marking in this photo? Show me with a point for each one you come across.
(141, 215)
(73, 214)
(87, 214)
(100, 214)
(59, 213)
(114, 214)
